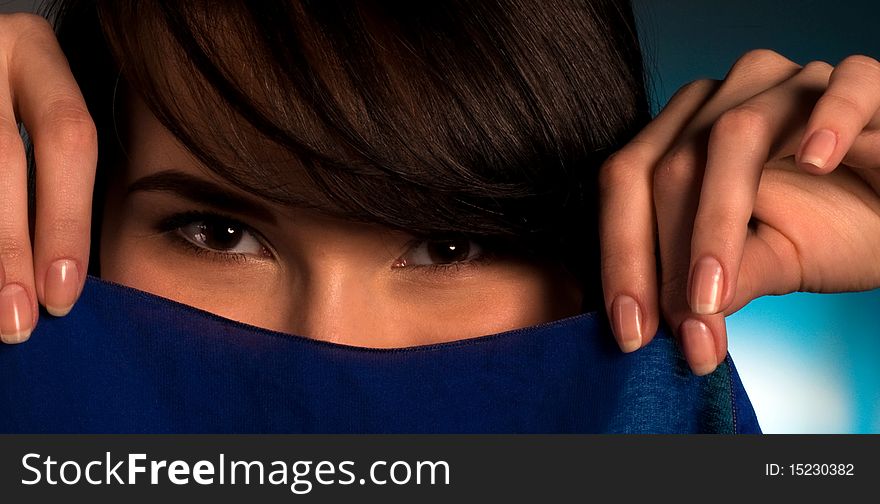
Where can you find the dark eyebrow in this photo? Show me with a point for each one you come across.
(199, 190)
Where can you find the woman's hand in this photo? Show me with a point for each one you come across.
(38, 90)
(741, 183)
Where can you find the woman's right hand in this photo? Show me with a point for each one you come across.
(47, 262)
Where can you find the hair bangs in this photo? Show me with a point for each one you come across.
(489, 119)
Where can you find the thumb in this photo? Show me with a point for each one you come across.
(770, 266)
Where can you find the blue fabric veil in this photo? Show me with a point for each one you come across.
(127, 361)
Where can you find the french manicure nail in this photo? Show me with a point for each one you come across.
(699, 346)
(627, 322)
(16, 315)
(62, 283)
(819, 148)
(707, 286)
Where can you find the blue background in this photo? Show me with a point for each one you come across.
(810, 362)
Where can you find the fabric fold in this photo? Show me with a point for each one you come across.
(124, 361)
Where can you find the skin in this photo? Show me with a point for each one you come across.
(727, 171)
(720, 156)
(301, 272)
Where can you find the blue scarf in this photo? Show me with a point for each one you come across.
(127, 361)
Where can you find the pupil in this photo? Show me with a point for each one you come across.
(220, 236)
(448, 251)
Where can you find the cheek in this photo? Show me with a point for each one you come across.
(369, 314)
(359, 306)
(254, 297)
(499, 298)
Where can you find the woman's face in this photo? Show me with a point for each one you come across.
(172, 229)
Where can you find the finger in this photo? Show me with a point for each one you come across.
(677, 185)
(627, 221)
(771, 266)
(677, 182)
(18, 310)
(865, 152)
(739, 146)
(627, 236)
(753, 73)
(50, 104)
(850, 102)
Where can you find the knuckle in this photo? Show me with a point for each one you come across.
(24, 21)
(675, 170)
(843, 105)
(24, 26)
(618, 170)
(818, 67)
(759, 64)
(699, 84)
(699, 87)
(759, 58)
(746, 119)
(68, 122)
(860, 60)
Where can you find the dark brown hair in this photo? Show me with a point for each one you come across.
(483, 118)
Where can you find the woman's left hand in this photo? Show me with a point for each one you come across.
(767, 182)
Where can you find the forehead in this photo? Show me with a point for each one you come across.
(151, 147)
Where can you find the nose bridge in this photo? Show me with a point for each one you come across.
(330, 303)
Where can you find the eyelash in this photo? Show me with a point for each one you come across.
(171, 224)
(450, 269)
(447, 269)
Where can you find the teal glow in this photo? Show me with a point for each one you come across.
(810, 362)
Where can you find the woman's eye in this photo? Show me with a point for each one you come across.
(221, 235)
(440, 252)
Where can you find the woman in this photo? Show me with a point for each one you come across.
(422, 174)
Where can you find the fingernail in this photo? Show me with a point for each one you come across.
(16, 315)
(627, 320)
(699, 346)
(819, 148)
(706, 288)
(62, 283)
